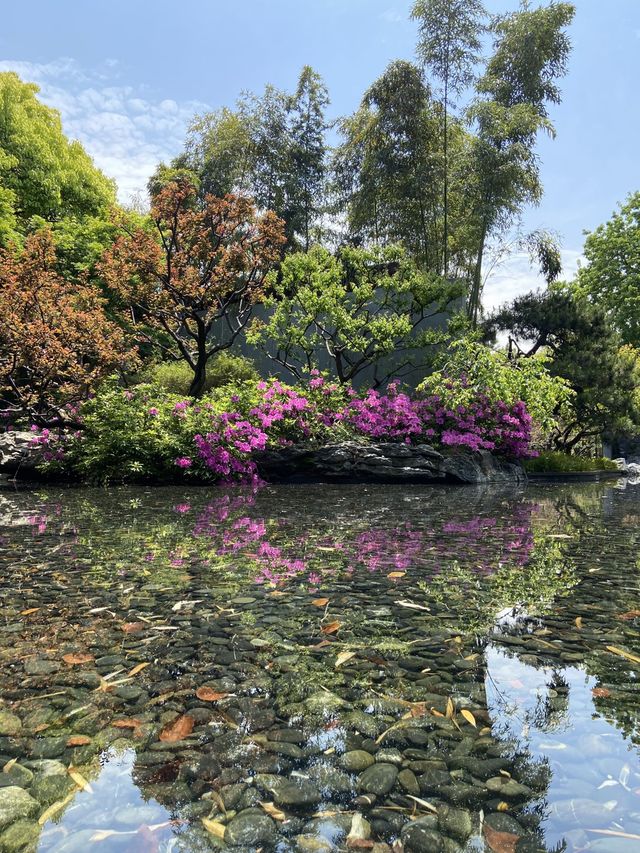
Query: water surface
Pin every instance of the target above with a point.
(187, 669)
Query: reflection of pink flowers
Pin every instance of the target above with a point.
(182, 508)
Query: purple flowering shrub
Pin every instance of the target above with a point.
(147, 433)
(479, 425)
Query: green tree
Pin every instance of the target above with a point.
(449, 47)
(358, 307)
(388, 169)
(585, 351)
(531, 51)
(270, 148)
(308, 127)
(611, 278)
(42, 173)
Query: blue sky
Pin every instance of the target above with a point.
(127, 75)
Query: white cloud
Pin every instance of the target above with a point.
(126, 130)
(517, 276)
(393, 16)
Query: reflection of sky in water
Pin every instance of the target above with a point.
(140, 826)
(595, 771)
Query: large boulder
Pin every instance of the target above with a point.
(384, 462)
(18, 454)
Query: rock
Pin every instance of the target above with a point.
(383, 462)
(18, 454)
(378, 779)
(421, 835)
(16, 804)
(508, 788)
(330, 780)
(251, 828)
(356, 761)
(502, 822)
(390, 756)
(324, 703)
(297, 793)
(40, 666)
(18, 775)
(455, 822)
(21, 837)
(360, 829)
(10, 724)
(313, 844)
(408, 781)
(49, 789)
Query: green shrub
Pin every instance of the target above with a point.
(223, 369)
(552, 462)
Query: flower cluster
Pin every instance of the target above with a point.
(479, 425)
(227, 450)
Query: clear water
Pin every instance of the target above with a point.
(170, 658)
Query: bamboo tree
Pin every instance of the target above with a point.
(449, 46)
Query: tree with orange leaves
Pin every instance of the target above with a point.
(56, 342)
(192, 284)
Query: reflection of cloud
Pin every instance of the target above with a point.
(125, 130)
(517, 276)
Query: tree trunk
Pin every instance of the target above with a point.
(446, 180)
(476, 286)
(200, 370)
(199, 380)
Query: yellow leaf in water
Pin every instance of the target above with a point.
(343, 657)
(425, 805)
(272, 810)
(138, 668)
(616, 651)
(320, 602)
(436, 713)
(213, 827)
(394, 575)
(469, 717)
(178, 729)
(9, 765)
(103, 834)
(54, 808)
(78, 740)
(450, 709)
(208, 694)
(79, 779)
(503, 807)
(75, 658)
(578, 622)
(505, 773)
(331, 628)
(29, 611)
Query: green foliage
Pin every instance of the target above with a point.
(611, 278)
(552, 462)
(357, 307)
(531, 50)
(124, 439)
(271, 147)
(547, 575)
(388, 169)
(586, 352)
(49, 175)
(175, 377)
(478, 369)
(449, 47)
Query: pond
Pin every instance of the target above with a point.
(316, 668)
